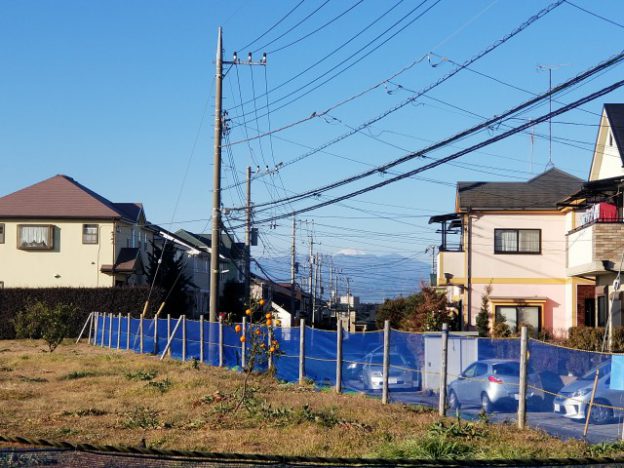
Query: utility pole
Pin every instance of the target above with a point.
(293, 268)
(316, 265)
(216, 186)
(248, 242)
(311, 265)
(348, 304)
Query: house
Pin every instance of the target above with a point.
(595, 244)
(511, 236)
(60, 233)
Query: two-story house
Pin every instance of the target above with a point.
(511, 236)
(60, 233)
(595, 244)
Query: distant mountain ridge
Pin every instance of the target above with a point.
(372, 277)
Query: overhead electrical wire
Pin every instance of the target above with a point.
(458, 136)
(433, 85)
(458, 154)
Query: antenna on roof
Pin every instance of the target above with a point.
(550, 164)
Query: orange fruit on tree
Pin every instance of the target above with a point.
(261, 302)
(258, 332)
(272, 349)
(269, 322)
(268, 316)
(243, 339)
(248, 312)
(237, 328)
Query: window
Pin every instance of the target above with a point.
(516, 316)
(1, 233)
(517, 241)
(35, 237)
(89, 233)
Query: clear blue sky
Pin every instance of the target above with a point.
(119, 95)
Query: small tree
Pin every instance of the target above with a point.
(39, 321)
(500, 328)
(430, 313)
(483, 317)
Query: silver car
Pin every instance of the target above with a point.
(400, 375)
(492, 383)
(572, 400)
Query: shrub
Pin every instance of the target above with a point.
(483, 317)
(38, 320)
(86, 300)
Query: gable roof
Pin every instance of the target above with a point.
(615, 114)
(62, 197)
(539, 193)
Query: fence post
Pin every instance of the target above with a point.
(93, 339)
(386, 362)
(118, 330)
(110, 331)
(128, 330)
(339, 357)
(523, 378)
(141, 333)
(244, 344)
(220, 341)
(169, 331)
(269, 345)
(201, 339)
(443, 370)
(184, 338)
(167, 349)
(103, 329)
(301, 351)
(156, 334)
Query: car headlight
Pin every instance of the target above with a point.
(581, 392)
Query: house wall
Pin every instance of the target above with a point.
(606, 161)
(524, 275)
(76, 264)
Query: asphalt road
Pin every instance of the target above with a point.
(547, 421)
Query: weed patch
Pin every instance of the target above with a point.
(85, 412)
(429, 448)
(143, 418)
(142, 375)
(78, 375)
(161, 386)
(25, 378)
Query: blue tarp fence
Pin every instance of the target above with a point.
(482, 373)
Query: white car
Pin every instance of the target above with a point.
(400, 376)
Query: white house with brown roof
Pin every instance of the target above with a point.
(60, 233)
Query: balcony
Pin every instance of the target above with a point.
(595, 248)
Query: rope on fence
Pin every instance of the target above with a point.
(198, 455)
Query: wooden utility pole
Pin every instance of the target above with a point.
(293, 268)
(216, 186)
(248, 242)
(314, 290)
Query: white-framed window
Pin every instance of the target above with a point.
(517, 241)
(89, 233)
(1, 233)
(35, 236)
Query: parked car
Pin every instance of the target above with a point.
(492, 383)
(400, 376)
(573, 399)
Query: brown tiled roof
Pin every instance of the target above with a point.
(62, 197)
(126, 261)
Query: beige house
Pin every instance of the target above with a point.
(511, 236)
(595, 246)
(60, 233)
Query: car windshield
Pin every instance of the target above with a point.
(507, 368)
(395, 359)
(604, 369)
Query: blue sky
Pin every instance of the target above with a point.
(119, 95)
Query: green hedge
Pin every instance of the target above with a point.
(590, 339)
(117, 300)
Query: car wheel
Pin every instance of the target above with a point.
(600, 414)
(486, 404)
(453, 402)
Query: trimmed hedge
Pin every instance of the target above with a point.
(590, 339)
(117, 300)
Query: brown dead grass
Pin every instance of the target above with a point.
(87, 394)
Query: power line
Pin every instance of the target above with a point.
(458, 136)
(428, 88)
(458, 154)
(596, 15)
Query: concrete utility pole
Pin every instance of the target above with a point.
(248, 242)
(314, 290)
(348, 304)
(216, 185)
(311, 265)
(293, 268)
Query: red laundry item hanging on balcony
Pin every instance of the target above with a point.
(606, 212)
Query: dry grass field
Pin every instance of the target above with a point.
(81, 393)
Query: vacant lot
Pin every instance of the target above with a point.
(86, 394)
